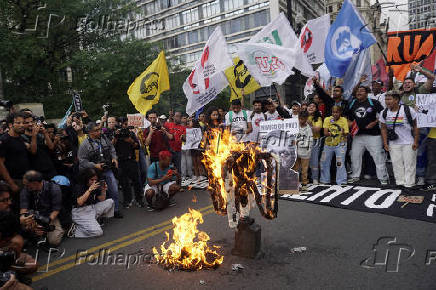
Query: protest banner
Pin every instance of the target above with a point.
(135, 120)
(278, 137)
(426, 110)
(193, 138)
(406, 47)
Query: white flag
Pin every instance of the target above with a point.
(280, 32)
(207, 78)
(359, 65)
(323, 74)
(266, 62)
(312, 38)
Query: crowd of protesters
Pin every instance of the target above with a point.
(68, 181)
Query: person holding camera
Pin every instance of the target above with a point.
(90, 205)
(125, 145)
(163, 183)
(40, 204)
(401, 138)
(38, 140)
(156, 137)
(364, 112)
(11, 244)
(98, 152)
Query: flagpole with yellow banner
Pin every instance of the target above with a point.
(240, 80)
(145, 91)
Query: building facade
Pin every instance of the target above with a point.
(422, 14)
(184, 26)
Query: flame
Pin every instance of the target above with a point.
(224, 156)
(189, 251)
(219, 153)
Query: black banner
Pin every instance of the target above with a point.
(77, 101)
(409, 204)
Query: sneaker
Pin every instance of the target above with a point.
(172, 202)
(150, 209)
(367, 177)
(421, 181)
(430, 187)
(384, 182)
(118, 215)
(71, 230)
(315, 182)
(128, 204)
(303, 188)
(140, 203)
(202, 178)
(353, 180)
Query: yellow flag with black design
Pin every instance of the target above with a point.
(240, 80)
(146, 89)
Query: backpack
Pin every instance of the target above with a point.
(371, 103)
(264, 116)
(231, 116)
(408, 116)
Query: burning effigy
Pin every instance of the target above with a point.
(233, 184)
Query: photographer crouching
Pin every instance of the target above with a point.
(97, 152)
(40, 204)
(10, 248)
(126, 143)
(90, 206)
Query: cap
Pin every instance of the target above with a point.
(296, 103)
(162, 117)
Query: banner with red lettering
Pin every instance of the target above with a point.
(406, 47)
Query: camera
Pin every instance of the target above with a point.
(6, 103)
(42, 221)
(7, 259)
(106, 107)
(392, 136)
(122, 133)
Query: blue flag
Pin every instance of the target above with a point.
(347, 36)
(359, 65)
(63, 123)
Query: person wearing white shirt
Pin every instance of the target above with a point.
(238, 121)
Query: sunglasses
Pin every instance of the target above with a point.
(6, 199)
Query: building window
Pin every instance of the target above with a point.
(172, 21)
(339, 5)
(181, 38)
(358, 3)
(211, 8)
(232, 4)
(190, 15)
(330, 9)
(193, 37)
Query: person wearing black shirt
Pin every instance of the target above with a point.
(90, 204)
(125, 146)
(362, 115)
(14, 159)
(41, 146)
(330, 102)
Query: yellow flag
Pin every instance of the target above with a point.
(146, 89)
(241, 82)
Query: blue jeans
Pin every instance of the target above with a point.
(314, 159)
(326, 158)
(112, 187)
(421, 161)
(142, 167)
(177, 160)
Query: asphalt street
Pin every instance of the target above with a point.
(337, 242)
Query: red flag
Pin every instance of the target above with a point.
(379, 72)
(429, 62)
(354, 128)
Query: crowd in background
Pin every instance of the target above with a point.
(69, 181)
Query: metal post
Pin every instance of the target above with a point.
(2, 96)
